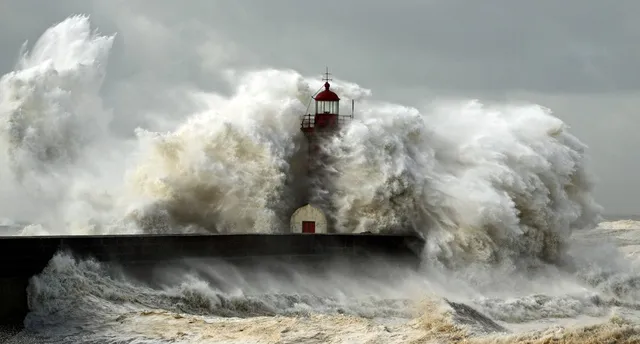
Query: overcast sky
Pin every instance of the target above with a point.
(581, 58)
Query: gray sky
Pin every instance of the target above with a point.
(581, 58)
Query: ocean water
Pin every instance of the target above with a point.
(211, 302)
(517, 249)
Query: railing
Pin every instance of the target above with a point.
(344, 119)
(308, 120)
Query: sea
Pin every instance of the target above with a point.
(518, 248)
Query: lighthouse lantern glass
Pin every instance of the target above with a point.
(327, 107)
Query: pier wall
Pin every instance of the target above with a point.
(22, 257)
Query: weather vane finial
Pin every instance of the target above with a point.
(326, 76)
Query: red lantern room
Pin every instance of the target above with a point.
(327, 110)
(323, 124)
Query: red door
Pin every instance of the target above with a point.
(308, 227)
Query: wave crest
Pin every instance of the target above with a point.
(487, 184)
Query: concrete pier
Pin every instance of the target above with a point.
(22, 257)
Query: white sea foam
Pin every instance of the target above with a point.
(620, 224)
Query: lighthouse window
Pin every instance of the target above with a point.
(327, 107)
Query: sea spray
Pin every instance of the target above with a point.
(54, 136)
(226, 169)
(483, 183)
(50, 106)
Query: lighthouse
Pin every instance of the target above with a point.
(319, 127)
